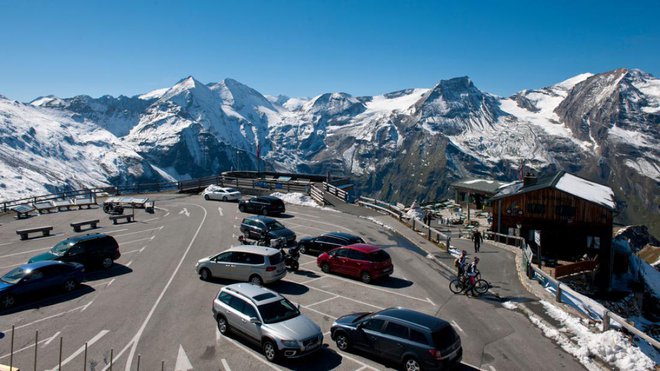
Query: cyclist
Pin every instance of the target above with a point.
(460, 263)
(472, 272)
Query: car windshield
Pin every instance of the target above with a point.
(14, 275)
(275, 226)
(61, 248)
(278, 311)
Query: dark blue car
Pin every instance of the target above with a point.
(39, 277)
(413, 339)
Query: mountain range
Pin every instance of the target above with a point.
(400, 146)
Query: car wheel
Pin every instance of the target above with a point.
(270, 350)
(241, 208)
(205, 274)
(325, 267)
(411, 364)
(70, 285)
(206, 197)
(295, 266)
(365, 277)
(7, 301)
(256, 280)
(223, 325)
(224, 198)
(106, 262)
(302, 249)
(264, 211)
(342, 341)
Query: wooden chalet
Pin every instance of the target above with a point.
(562, 217)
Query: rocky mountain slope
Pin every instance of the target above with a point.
(398, 146)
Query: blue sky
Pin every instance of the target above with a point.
(305, 48)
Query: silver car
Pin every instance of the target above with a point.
(214, 192)
(268, 319)
(255, 264)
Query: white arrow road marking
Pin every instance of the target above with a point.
(182, 361)
(50, 339)
(184, 211)
(220, 211)
(457, 326)
(82, 348)
(225, 365)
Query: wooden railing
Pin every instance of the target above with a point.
(317, 195)
(336, 191)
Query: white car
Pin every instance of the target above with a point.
(214, 192)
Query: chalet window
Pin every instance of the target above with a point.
(535, 208)
(565, 210)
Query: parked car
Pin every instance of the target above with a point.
(39, 277)
(257, 227)
(268, 319)
(265, 205)
(214, 192)
(94, 249)
(327, 242)
(367, 262)
(255, 264)
(416, 340)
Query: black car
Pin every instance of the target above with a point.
(264, 205)
(327, 242)
(257, 227)
(410, 338)
(90, 250)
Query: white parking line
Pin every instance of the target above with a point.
(141, 239)
(457, 326)
(372, 287)
(307, 263)
(225, 365)
(44, 319)
(322, 301)
(25, 252)
(251, 352)
(136, 232)
(326, 223)
(345, 297)
(311, 280)
(82, 348)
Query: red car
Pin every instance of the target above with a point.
(367, 262)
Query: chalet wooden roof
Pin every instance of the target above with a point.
(565, 182)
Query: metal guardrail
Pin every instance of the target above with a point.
(607, 316)
(336, 191)
(317, 195)
(181, 186)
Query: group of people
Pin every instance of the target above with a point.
(468, 271)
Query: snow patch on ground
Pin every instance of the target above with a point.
(510, 305)
(301, 199)
(610, 345)
(379, 223)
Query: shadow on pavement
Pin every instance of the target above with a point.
(36, 301)
(114, 271)
(393, 283)
(289, 288)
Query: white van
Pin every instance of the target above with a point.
(254, 264)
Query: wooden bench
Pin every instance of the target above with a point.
(62, 205)
(23, 211)
(129, 218)
(24, 232)
(44, 207)
(76, 225)
(80, 202)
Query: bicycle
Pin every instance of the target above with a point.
(460, 285)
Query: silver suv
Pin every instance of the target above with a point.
(268, 319)
(255, 264)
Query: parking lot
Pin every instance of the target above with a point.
(151, 309)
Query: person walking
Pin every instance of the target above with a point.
(460, 263)
(478, 238)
